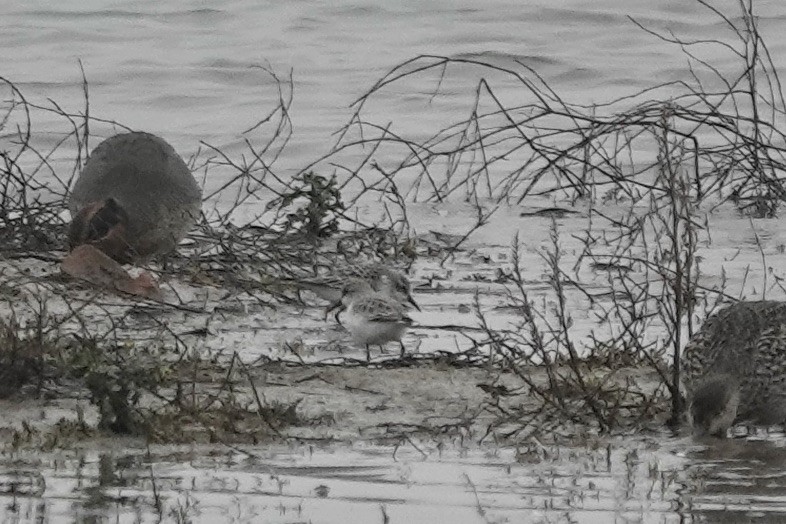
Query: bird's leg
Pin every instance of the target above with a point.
(412, 301)
(164, 261)
(402, 348)
(368, 353)
(338, 307)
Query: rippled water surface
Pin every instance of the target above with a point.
(643, 479)
(193, 72)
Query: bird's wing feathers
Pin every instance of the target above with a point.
(381, 309)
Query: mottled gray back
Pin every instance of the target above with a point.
(746, 341)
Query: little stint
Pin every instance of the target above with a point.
(372, 317)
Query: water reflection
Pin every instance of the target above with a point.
(740, 479)
(635, 479)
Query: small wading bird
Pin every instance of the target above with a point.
(330, 286)
(735, 368)
(134, 199)
(371, 317)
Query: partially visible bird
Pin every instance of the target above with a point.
(372, 317)
(734, 368)
(330, 285)
(134, 199)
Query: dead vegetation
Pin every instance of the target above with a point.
(713, 138)
(648, 169)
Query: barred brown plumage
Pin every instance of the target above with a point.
(734, 368)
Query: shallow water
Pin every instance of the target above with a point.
(192, 74)
(653, 479)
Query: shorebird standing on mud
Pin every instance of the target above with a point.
(735, 368)
(372, 317)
